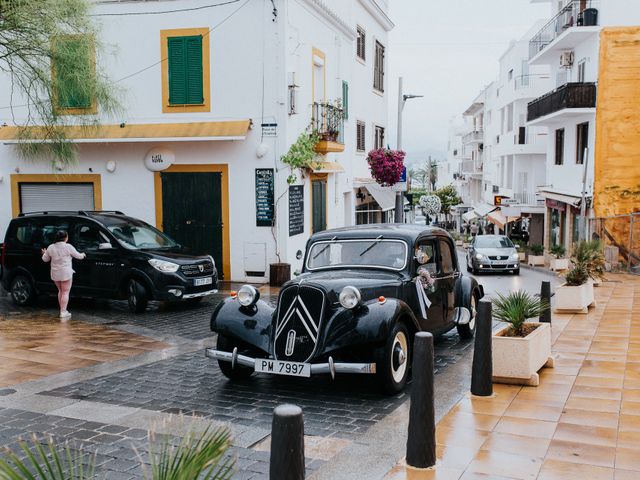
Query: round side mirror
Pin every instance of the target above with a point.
(299, 254)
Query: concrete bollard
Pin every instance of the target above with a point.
(287, 444)
(482, 369)
(421, 439)
(545, 294)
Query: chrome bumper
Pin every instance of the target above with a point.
(330, 367)
(200, 294)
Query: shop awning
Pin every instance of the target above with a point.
(497, 218)
(470, 215)
(561, 197)
(484, 209)
(385, 196)
(142, 132)
(328, 167)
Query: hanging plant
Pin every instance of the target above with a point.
(386, 165)
(301, 154)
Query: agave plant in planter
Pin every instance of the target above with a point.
(576, 294)
(536, 255)
(521, 348)
(558, 262)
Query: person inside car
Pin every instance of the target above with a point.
(60, 254)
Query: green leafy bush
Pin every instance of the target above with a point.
(557, 251)
(516, 307)
(301, 154)
(577, 276)
(537, 250)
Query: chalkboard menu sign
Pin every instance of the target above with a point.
(264, 197)
(296, 209)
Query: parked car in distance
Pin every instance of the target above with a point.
(363, 293)
(126, 259)
(493, 253)
(420, 220)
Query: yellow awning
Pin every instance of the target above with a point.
(328, 167)
(142, 132)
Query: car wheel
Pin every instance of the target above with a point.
(467, 331)
(137, 296)
(516, 271)
(392, 368)
(240, 372)
(468, 267)
(22, 291)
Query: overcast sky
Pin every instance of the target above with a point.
(447, 50)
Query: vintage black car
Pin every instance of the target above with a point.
(362, 295)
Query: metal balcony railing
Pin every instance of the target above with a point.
(327, 121)
(528, 199)
(474, 136)
(570, 95)
(576, 13)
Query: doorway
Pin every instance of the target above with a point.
(192, 208)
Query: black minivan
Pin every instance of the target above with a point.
(126, 259)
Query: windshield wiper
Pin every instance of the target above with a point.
(377, 241)
(324, 248)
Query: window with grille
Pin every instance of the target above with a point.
(360, 131)
(379, 137)
(378, 68)
(361, 44)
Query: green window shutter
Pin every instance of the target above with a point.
(194, 70)
(185, 70)
(345, 99)
(74, 73)
(177, 69)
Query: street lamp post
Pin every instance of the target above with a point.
(402, 99)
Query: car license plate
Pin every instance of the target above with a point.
(278, 367)
(202, 281)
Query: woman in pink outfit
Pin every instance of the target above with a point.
(60, 255)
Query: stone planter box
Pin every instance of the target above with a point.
(458, 243)
(557, 264)
(522, 256)
(535, 260)
(575, 299)
(516, 360)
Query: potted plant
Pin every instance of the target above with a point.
(558, 262)
(521, 252)
(456, 237)
(536, 257)
(592, 255)
(386, 165)
(576, 294)
(467, 242)
(521, 348)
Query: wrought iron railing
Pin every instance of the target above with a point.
(327, 121)
(574, 14)
(570, 95)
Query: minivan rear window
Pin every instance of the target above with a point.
(35, 234)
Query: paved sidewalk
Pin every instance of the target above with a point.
(583, 421)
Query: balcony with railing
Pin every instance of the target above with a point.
(528, 199)
(568, 96)
(475, 136)
(577, 13)
(327, 121)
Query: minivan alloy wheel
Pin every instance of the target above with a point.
(21, 290)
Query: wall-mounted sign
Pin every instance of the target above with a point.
(269, 129)
(264, 197)
(296, 210)
(158, 159)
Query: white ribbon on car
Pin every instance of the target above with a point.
(423, 299)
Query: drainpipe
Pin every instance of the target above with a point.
(583, 203)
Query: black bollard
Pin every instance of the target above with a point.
(421, 440)
(545, 294)
(287, 444)
(482, 369)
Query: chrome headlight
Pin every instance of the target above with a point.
(515, 256)
(350, 297)
(213, 262)
(479, 256)
(248, 296)
(163, 266)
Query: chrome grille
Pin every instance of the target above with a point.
(300, 310)
(197, 269)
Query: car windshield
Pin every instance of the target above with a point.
(368, 253)
(492, 242)
(140, 236)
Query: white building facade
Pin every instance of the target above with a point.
(205, 167)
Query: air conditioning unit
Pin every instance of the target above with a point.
(566, 59)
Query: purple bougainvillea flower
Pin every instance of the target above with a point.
(386, 165)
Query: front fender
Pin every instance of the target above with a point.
(369, 324)
(464, 289)
(248, 325)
